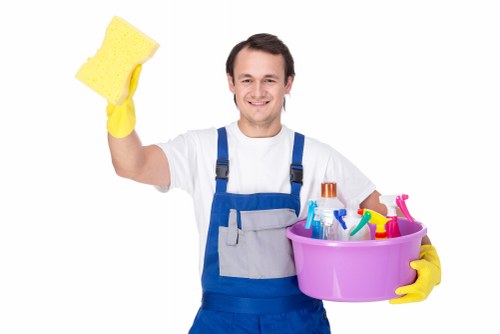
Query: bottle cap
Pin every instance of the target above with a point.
(328, 189)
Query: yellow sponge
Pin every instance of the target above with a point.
(109, 71)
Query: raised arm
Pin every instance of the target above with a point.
(145, 164)
(114, 73)
(132, 160)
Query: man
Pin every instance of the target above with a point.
(249, 181)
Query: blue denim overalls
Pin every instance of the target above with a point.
(249, 281)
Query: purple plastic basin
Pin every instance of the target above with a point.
(355, 271)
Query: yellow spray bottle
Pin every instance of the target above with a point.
(379, 221)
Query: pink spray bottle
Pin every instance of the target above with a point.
(392, 202)
(392, 226)
(400, 201)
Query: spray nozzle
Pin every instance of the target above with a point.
(400, 201)
(379, 221)
(364, 219)
(338, 215)
(392, 226)
(390, 202)
(310, 213)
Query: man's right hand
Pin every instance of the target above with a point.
(121, 118)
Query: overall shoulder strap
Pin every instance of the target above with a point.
(222, 166)
(296, 170)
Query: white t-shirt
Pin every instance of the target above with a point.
(257, 165)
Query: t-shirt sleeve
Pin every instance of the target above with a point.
(352, 183)
(187, 154)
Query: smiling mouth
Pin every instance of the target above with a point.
(258, 103)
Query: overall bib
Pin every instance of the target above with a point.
(249, 281)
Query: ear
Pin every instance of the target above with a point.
(230, 82)
(289, 83)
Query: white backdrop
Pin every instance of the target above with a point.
(407, 90)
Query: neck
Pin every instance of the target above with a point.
(259, 130)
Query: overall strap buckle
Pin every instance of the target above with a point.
(296, 173)
(222, 165)
(222, 169)
(296, 168)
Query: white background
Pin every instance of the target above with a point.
(407, 90)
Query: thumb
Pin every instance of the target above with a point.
(401, 300)
(403, 290)
(134, 80)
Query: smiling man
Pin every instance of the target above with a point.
(259, 84)
(250, 180)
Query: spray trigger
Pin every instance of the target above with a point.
(400, 201)
(379, 221)
(338, 215)
(366, 217)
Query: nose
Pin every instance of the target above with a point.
(258, 90)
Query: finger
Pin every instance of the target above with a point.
(137, 71)
(417, 264)
(403, 300)
(134, 80)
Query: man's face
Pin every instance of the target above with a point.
(259, 87)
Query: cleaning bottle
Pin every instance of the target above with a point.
(400, 201)
(379, 221)
(335, 228)
(327, 220)
(352, 220)
(317, 227)
(329, 197)
(310, 212)
(392, 226)
(364, 220)
(327, 204)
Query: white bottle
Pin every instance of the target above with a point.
(327, 204)
(352, 220)
(327, 224)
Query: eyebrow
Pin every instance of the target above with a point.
(246, 75)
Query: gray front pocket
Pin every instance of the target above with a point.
(258, 246)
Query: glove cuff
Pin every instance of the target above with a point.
(429, 253)
(121, 119)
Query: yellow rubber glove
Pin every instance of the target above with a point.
(428, 269)
(121, 119)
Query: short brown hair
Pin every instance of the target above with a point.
(263, 42)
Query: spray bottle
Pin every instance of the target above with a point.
(314, 220)
(327, 220)
(392, 226)
(312, 204)
(364, 220)
(352, 220)
(317, 227)
(400, 201)
(329, 197)
(327, 205)
(379, 221)
(338, 228)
